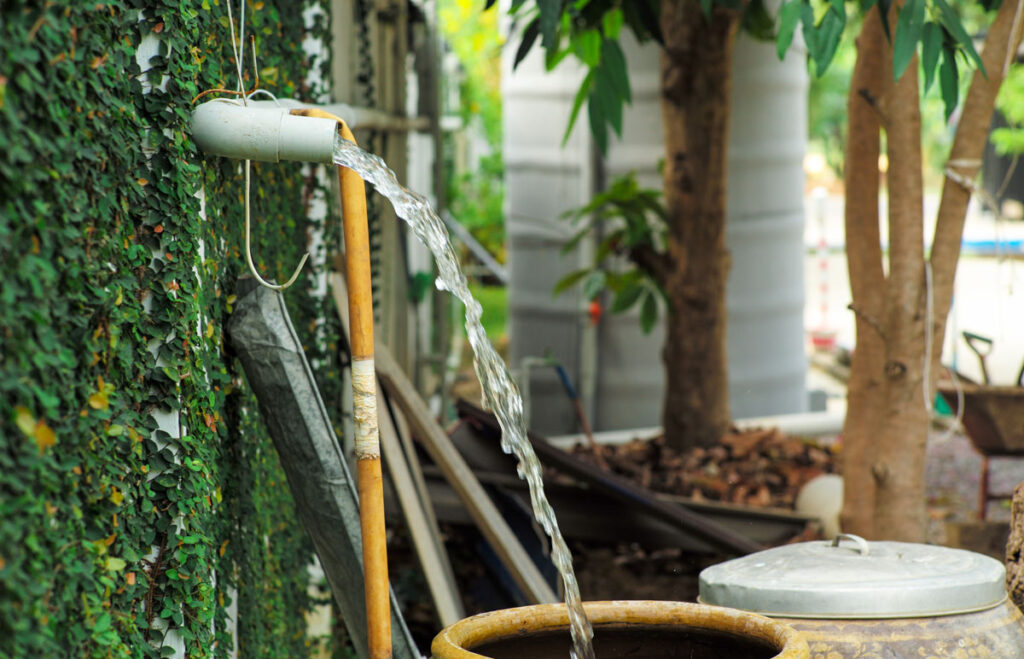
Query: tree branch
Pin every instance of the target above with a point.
(656, 264)
(863, 241)
(1001, 43)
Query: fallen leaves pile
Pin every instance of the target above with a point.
(761, 467)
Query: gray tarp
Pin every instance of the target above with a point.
(325, 495)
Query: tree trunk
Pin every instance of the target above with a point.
(900, 430)
(1001, 42)
(892, 377)
(696, 69)
(864, 260)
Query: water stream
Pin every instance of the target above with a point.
(500, 392)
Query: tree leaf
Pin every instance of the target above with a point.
(614, 62)
(627, 297)
(908, 32)
(757, 21)
(832, 26)
(949, 20)
(648, 312)
(949, 81)
(550, 17)
(705, 6)
(611, 104)
(570, 280)
(594, 284)
(489, 4)
(811, 35)
(611, 23)
(788, 18)
(642, 18)
(529, 37)
(931, 46)
(581, 95)
(587, 47)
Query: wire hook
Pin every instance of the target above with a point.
(248, 246)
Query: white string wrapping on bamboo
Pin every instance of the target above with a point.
(364, 391)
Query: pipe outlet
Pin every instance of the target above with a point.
(263, 131)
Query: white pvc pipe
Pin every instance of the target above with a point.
(263, 131)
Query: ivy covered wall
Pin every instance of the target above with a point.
(142, 508)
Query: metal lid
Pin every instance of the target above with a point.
(856, 579)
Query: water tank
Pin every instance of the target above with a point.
(767, 363)
(765, 230)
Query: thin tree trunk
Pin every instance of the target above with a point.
(887, 418)
(1001, 43)
(864, 261)
(901, 423)
(696, 68)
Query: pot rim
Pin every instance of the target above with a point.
(453, 641)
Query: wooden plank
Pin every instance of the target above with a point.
(623, 489)
(426, 536)
(578, 507)
(461, 477)
(433, 438)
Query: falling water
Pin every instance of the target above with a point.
(500, 392)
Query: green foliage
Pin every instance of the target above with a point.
(931, 26)
(475, 199)
(589, 30)
(124, 526)
(632, 220)
(475, 195)
(1010, 140)
(494, 300)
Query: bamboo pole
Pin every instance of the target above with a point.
(369, 480)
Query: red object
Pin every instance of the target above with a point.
(594, 310)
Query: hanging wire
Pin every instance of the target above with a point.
(248, 249)
(239, 52)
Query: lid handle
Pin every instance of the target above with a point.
(862, 544)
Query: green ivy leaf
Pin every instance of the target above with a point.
(114, 564)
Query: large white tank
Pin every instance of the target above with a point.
(767, 363)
